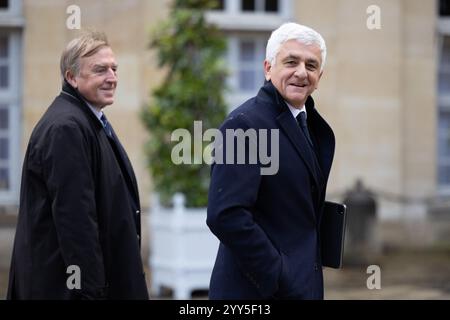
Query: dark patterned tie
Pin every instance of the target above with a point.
(106, 125)
(301, 119)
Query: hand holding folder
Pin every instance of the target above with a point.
(332, 234)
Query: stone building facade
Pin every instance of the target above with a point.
(379, 90)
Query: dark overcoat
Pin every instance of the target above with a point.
(268, 225)
(79, 210)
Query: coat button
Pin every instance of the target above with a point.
(137, 211)
(316, 267)
(138, 237)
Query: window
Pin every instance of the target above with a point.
(444, 113)
(11, 13)
(4, 118)
(443, 130)
(11, 24)
(249, 5)
(251, 15)
(4, 68)
(259, 5)
(4, 149)
(444, 147)
(271, 6)
(444, 8)
(249, 65)
(246, 53)
(9, 115)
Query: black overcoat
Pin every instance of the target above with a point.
(79, 206)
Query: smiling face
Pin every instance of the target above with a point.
(97, 79)
(296, 72)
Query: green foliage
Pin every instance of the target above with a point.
(191, 52)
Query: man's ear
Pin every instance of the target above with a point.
(267, 69)
(71, 79)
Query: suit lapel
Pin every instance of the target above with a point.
(290, 127)
(323, 134)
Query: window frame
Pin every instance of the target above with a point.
(235, 97)
(233, 18)
(443, 104)
(11, 97)
(12, 17)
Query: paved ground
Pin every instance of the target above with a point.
(409, 274)
(405, 275)
(423, 274)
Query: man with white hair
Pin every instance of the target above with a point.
(269, 225)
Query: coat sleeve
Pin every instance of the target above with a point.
(67, 161)
(232, 196)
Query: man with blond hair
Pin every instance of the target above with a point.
(269, 225)
(78, 231)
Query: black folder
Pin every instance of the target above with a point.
(332, 234)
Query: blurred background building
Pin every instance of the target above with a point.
(385, 91)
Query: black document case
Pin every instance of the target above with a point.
(332, 233)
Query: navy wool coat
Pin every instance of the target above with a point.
(268, 225)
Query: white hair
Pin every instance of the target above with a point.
(289, 31)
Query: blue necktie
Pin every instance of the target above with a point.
(106, 126)
(301, 119)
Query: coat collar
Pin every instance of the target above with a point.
(70, 93)
(270, 94)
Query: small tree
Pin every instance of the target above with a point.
(191, 52)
